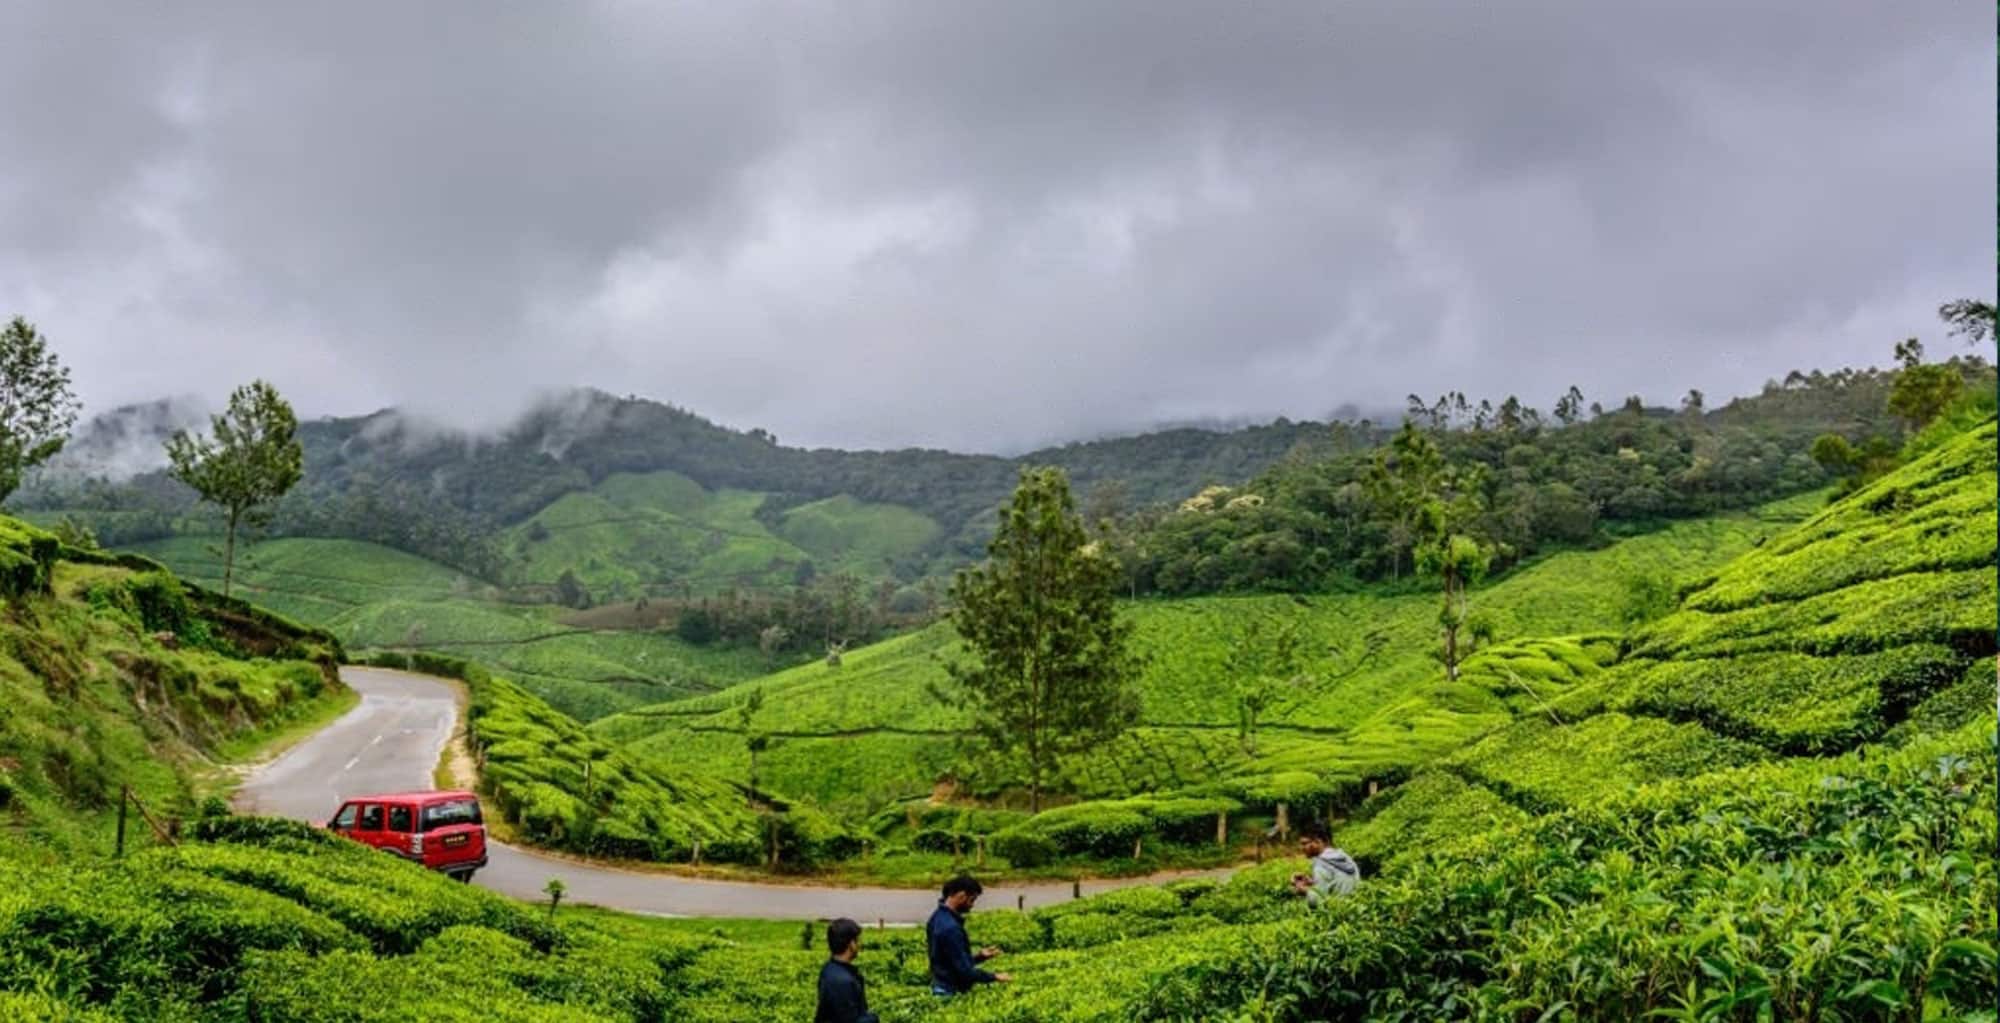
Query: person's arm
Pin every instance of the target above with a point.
(962, 963)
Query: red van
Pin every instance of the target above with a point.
(440, 830)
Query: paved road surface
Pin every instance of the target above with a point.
(391, 742)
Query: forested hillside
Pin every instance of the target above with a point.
(630, 498)
(390, 479)
(1530, 485)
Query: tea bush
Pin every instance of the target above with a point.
(568, 790)
(1932, 515)
(1795, 703)
(1851, 889)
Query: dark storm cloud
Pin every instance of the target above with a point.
(986, 225)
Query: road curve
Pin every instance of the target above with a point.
(390, 742)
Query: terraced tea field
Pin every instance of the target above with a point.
(661, 532)
(867, 731)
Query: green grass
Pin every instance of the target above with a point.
(94, 703)
(290, 726)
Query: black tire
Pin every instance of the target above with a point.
(463, 876)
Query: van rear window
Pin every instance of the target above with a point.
(457, 811)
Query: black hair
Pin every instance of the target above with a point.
(840, 934)
(962, 883)
(1314, 830)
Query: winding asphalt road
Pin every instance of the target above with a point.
(390, 742)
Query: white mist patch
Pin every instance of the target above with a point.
(125, 441)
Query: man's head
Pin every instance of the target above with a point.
(961, 892)
(843, 938)
(1313, 839)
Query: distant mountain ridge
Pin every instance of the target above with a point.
(451, 495)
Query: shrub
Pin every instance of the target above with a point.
(163, 606)
(1795, 703)
(937, 840)
(1098, 829)
(1189, 821)
(1023, 847)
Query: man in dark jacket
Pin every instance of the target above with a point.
(843, 995)
(954, 966)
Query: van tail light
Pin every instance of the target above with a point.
(416, 845)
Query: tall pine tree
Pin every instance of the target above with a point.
(1054, 671)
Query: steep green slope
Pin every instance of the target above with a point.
(1873, 619)
(113, 675)
(872, 722)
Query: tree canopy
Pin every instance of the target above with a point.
(1053, 669)
(37, 407)
(250, 458)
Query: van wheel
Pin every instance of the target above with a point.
(463, 876)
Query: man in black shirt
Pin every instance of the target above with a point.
(954, 966)
(843, 995)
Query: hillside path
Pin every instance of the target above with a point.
(390, 742)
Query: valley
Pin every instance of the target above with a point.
(1732, 719)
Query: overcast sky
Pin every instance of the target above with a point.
(981, 225)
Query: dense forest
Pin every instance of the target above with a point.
(1582, 476)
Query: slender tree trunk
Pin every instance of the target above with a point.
(1451, 652)
(1454, 607)
(229, 552)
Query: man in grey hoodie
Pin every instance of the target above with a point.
(1333, 871)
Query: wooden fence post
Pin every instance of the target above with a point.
(1284, 824)
(1222, 828)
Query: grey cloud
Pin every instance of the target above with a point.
(987, 225)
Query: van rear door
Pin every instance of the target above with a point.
(454, 832)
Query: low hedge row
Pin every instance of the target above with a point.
(1110, 829)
